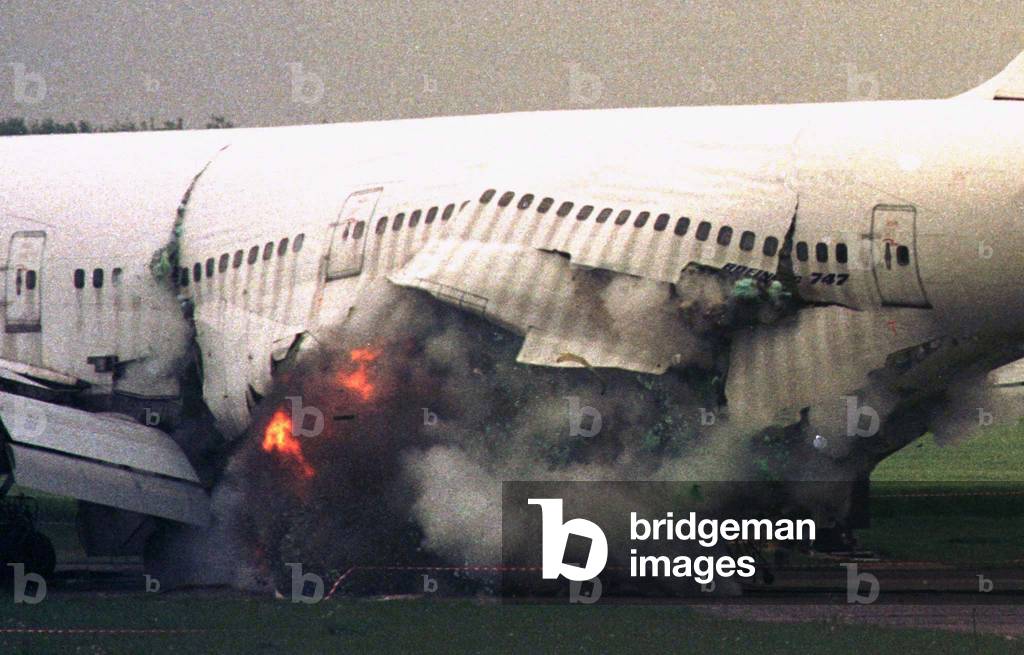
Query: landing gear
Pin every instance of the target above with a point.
(20, 542)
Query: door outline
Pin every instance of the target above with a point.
(899, 285)
(23, 289)
(345, 256)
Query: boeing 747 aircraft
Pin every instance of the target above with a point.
(150, 277)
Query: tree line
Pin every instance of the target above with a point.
(17, 126)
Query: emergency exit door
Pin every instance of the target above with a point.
(23, 288)
(350, 234)
(894, 256)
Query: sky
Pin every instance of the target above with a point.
(284, 62)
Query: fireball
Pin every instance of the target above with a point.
(278, 437)
(358, 381)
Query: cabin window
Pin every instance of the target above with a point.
(197, 272)
(682, 225)
(902, 255)
(821, 252)
(564, 209)
(183, 276)
(282, 247)
(30, 280)
(97, 278)
(641, 219)
(300, 239)
(585, 212)
(604, 215)
(223, 264)
(545, 205)
(703, 231)
(842, 255)
(770, 247)
(357, 233)
(414, 218)
(382, 225)
(801, 251)
(488, 194)
(448, 211)
(115, 276)
(505, 199)
(254, 254)
(724, 235)
(237, 261)
(399, 219)
(79, 278)
(431, 215)
(268, 250)
(623, 217)
(209, 267)
(747, 240)
(661, 222)
(525, 201)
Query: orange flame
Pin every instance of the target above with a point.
(278, 436)
(358, 380)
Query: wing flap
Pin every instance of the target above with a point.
(101, 459)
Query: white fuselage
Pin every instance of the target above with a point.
(927, 198)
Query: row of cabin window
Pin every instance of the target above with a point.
(226, 260)
(414, 220)
(842, 254)
(78, 278)
(769, 247)
(747, 241)
(359, 228)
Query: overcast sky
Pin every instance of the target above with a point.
(285, 62)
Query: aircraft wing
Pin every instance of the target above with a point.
(101, 459)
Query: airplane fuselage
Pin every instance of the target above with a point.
(278, 231)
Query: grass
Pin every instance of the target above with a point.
(993, 455)
(265, 626)
(959, 503)
(959, 528)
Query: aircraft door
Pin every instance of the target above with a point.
(23, 288)
(894, 256)
(349, 234)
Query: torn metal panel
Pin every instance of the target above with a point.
(104, 484)
(815, 357)
(1010, 375)
(102, 459)
(608, 319)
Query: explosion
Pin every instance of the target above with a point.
(278, 437)
(358, 381)
(417, 481)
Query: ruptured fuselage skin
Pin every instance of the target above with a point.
(277, 232)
